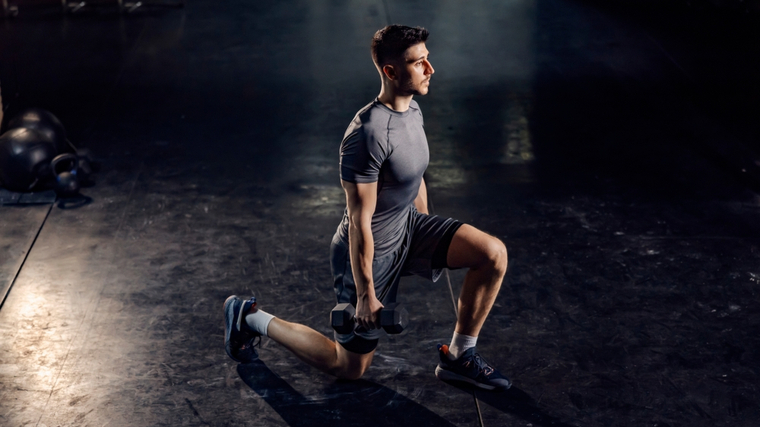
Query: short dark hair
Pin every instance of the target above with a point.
(390, 43)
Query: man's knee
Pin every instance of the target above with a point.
(496, 254)
(350, 372)
(349, 365)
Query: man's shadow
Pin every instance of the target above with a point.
(363, 402)
(514, 402)
(351, 403)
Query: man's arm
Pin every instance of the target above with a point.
(361, 200)
(421, 202)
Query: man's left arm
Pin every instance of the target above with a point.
(421, 202)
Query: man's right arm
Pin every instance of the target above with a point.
(361, 200)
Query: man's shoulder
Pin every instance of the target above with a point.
(371, 116)
(371, 111)
(367, 123)
(364, 110)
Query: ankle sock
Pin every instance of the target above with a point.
(459, 344)
(258, 320)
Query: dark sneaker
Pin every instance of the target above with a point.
(470, 368)
(239, 339)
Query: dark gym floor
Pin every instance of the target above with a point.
(613, 149)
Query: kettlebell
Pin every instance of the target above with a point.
(65, 168)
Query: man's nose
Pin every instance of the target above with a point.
(430, 69)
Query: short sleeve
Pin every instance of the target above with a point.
(361, 157)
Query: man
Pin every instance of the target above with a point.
(386, 232)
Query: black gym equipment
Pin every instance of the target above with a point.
(393, 318)
(45, 122)
(65, 167)
(25, 158)
(35, 154)
(86, 166)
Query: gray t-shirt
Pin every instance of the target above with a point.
(388, 147)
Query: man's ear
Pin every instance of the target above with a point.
(389, 72)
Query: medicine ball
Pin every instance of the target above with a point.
(45, 122)
(25, 156)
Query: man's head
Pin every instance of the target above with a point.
(390, 43)
(401, 57)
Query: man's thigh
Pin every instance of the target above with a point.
(430, 238)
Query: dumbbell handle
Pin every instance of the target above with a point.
(393, 317)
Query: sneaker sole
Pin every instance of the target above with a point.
(229, 323)
(446, 375)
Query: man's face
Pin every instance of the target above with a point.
(415, 71)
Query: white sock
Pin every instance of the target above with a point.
(258, 320)
(460, 344)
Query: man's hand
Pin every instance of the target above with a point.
(368, 311)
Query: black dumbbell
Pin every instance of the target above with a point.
(393, 318)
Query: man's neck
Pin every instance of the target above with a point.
(394, 101)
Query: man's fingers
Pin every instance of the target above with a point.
(365, 323)
(369, 323)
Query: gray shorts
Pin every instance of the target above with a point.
(422, 252)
